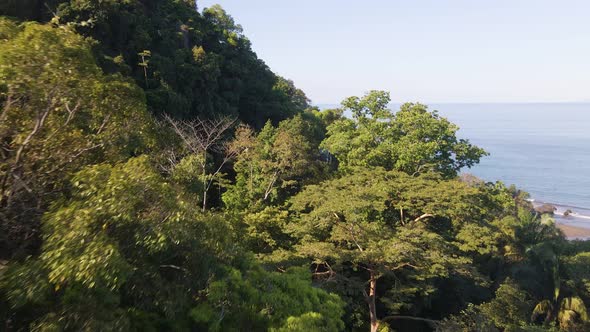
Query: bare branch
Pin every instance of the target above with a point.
(271, 184)
(418, 170)
(7, 105)
(23, 183)
(202, 137)
(170, 266)
(71, 113)
(424, 216)
(171, 161)
(330, 273)
(351, 231)
(41, 117)
(104, 124)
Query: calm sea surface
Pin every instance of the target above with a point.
(541, 148)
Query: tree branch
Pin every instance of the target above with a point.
(424, 216)
(432, 322)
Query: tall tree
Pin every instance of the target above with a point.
(412, 140)
(128, 251)
(202, 138)
(368, 227)
(58, 113)
(273, 163)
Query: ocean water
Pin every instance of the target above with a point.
(543, 149)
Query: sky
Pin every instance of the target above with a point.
(431, 51)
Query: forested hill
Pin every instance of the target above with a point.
(155, 175)
(189, 64)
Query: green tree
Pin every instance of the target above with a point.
(125, 242)
(273, 163)
(129, 251)
(226, 79)
(562, 306)
(58, 113)
(412, 140)
(295, 99)
(510, 308)
(259, 300)
(367, 227)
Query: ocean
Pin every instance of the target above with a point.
(542, 148)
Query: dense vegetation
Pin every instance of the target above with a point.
(156, 175)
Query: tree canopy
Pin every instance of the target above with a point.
(411, 140)
(156, 175)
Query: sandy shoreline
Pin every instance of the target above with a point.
(573, 232)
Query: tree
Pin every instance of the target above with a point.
(27, 9)
(125, 243)
(412, 140)
(510, 308)
(229, 80)
(295, 100)
(203, 138)
(272, 163)
(254, 299)
(58, 113)
(128, 250)
(569, 311)
(356, 234)
(145, 55)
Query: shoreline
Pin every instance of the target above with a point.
(573, 221)
(574, 232)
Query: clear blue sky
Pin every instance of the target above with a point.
(424, 50)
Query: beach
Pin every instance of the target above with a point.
(573, 221)
(574, 232)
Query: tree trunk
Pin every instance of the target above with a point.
(204, 200)
(205, 187)
(371, 303)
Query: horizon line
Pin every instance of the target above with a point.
(469, 102)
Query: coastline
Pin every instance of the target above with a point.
(574, 232)
(573, 221)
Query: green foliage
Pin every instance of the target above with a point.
(368, 226)
(125, 232)
(412, 140)
(187, 173)
(470, 319)
(510, 308)
(572, 310)
(255, 299)
(59, 113)
(274, 163)
(312, 321)
(329, 223)
(200, 65)
(265, 230)
(577, 267)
